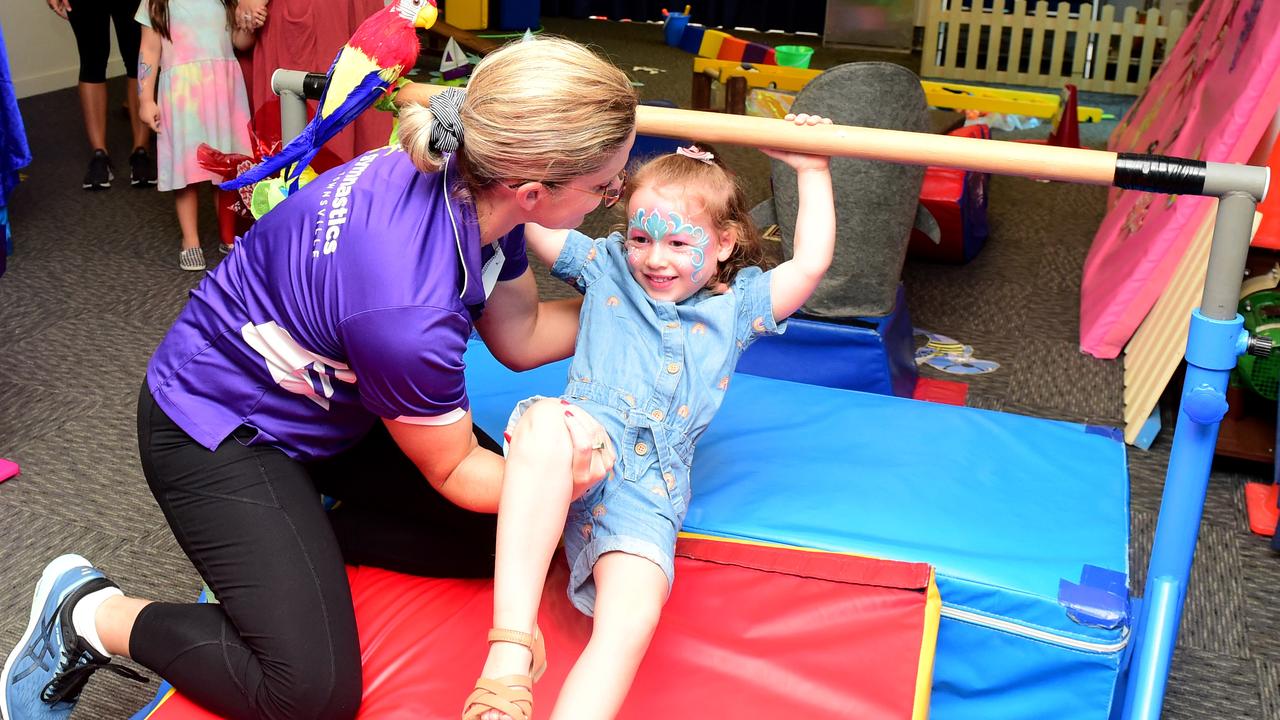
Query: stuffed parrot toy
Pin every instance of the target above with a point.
(382, 49)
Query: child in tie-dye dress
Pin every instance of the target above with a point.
(192, 91)
(670, 306)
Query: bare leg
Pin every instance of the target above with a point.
(93, 104)
(141, 133)
(114, 622)
(186, 200)
(536, 490)
(630, 592)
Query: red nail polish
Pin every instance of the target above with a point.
(506, 436)
(564, 402)
(568, 414)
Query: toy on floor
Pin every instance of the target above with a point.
(1262, 500)
(708, 43)
(943, 353)
(8, 469)
(951, 223)
(380, 51)
(454, 64)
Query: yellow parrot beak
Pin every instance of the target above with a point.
(426, 16)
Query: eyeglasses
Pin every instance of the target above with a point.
(609, 196)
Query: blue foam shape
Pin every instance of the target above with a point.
(691, 39)
(875, 355)
(1149, 431)
(1003, 506)
(992, 500)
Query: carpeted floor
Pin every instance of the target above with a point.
(94, 284)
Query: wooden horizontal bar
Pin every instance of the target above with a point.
(1044, 162)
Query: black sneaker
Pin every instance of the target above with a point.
(99, 176)
(142, 169)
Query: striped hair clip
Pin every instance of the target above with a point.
(693, 152)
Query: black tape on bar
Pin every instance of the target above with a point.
(313, 85)
(1157, 173)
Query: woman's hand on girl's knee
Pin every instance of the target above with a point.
(593, 453)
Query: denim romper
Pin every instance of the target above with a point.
(653, 373)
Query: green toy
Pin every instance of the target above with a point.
(1261, 312)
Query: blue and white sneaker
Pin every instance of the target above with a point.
(44, 674)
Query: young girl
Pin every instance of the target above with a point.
(669, 308)
(198, 96)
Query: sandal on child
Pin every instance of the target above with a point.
(512, 694)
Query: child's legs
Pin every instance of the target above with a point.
(537, 487)
(186, 200)
(630, 593)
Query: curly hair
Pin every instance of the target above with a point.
(719, 194)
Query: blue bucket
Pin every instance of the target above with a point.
(674, 27)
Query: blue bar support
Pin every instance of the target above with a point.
(1217, 337)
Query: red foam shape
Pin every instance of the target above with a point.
(8, 469)
(1260, 500)
(749, 631)
(1268, 235)
(946, 392)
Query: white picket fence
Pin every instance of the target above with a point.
(1047, 48)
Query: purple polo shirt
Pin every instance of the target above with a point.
(350, 301)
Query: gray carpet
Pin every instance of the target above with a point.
(94, 284)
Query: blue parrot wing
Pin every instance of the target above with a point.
(301, 149)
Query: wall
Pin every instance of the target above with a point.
(42, 50)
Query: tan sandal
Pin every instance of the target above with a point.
(511, 694)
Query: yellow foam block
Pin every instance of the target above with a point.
(778, 77)
(467, 14)
(711, 40)
(938, 94)
(1010, 102)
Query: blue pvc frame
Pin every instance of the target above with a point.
(1212, 349)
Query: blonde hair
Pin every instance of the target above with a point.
(719, 194)
(546, 110)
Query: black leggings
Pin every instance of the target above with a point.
(282, 641)
(91, 22)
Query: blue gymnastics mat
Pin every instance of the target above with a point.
(1026, 521)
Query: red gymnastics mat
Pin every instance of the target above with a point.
(749, 631)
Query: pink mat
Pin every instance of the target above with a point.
(1211, 100)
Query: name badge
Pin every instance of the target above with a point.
(489, 273)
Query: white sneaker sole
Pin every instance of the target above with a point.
(51, 573)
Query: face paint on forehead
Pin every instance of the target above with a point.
(656, 227)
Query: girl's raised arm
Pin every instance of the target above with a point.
(795, 280)
(544, 242)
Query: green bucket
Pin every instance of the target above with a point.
(797, 56)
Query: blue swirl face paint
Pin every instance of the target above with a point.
(652, 223)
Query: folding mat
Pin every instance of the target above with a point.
(1025, 520)
(749, 631)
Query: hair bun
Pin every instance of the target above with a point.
(446, 120)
